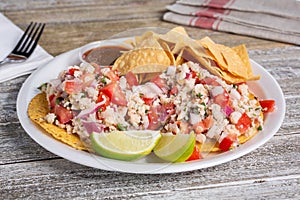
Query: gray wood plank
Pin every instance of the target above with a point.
(251, 189)
(29, 171)
(63, 179)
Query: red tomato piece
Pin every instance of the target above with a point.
(102, 97)
(222, 99)
(113, 75)
(73, 87)
(226, 144)
(194, 74)
(203, 125)
(87, 79)
(161, 83)
(267, 105)
(153, 119)
(131, 79)
(174, 90)
(73, 70)
(63, 114)
(209, 81)
(148, 101)
(195, 155)
(243, 123)
(165, 111)
(115, 93)
(168, 106)
(52, 99)
(183, 127)
(196, 77)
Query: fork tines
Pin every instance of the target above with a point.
(29, 39)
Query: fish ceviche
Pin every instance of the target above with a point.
(182, 99)
(168, 94)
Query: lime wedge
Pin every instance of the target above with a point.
(125, 145)
(175, 148)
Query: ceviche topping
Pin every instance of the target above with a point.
(182, 99)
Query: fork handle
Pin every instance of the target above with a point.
(13, 59)
(6, 60)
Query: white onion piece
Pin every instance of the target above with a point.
(171, 70)
(149, 90)
(194, 118)
(91, 126)
(87, 112)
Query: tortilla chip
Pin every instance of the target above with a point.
(181, 30)
(215, 52)
(167, 49)
(226, 58)
(130, 60)
(37, 109)
(147, 41)
(241, 51)
(178, 42)
(233, 62)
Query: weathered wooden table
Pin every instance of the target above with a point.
(29, 171)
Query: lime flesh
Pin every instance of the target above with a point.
(125, 145)
(175, 148)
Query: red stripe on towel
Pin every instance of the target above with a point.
(204, 22)
(219, 3)
(210, 12)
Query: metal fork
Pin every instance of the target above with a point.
(26, 44)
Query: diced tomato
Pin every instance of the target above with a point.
(226, 143)
(87, 79)
(196, 77)
(73, 70)
(195, 155)
(168, 106)
(203, 125)
(63, 114)
(112, 75)
(222, 99)
(165, 111)
(115, 93)
(209, 81)
(148, 101)
(174, 90)
(194, 74)
(153, 119)
(131, 79)
(73, 87)
(243, 123)
(102, 97)
(267, 105)
(161, 83)
(208, 122)
(52, 99)
(183, 127)
(109, 89)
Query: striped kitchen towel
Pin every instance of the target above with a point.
(276, 20)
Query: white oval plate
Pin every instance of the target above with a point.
(265, 88)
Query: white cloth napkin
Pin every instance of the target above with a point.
(9, 36)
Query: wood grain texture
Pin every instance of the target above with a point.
(27, 171)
